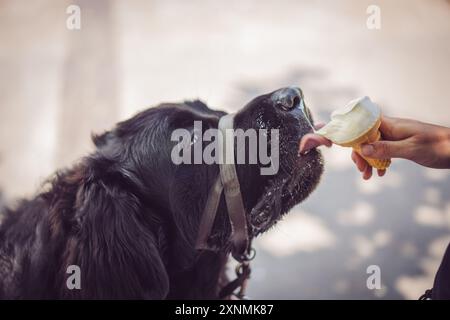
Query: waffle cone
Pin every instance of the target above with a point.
(370, 136)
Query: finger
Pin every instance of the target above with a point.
(361, 164)
(387, 127)
(381, 172)
(354, 157)
(385, 149)
(395, 129)
(311, 140)
(367, 173)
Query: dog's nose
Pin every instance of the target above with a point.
(287, 98)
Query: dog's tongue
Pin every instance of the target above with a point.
(312, 140)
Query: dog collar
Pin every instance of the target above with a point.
(227, 182)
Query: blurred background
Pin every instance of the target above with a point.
(59, 85)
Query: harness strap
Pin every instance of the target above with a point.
(209, 215)
(232, 191)
(228, 182)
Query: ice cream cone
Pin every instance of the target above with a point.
(372, 135)
(355, 124)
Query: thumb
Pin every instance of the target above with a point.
(383, 150)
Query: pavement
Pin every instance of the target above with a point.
(59, 85)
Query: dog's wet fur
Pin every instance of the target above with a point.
(128, 217)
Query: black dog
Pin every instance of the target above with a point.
(128, 217)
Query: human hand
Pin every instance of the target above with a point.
(423, 143)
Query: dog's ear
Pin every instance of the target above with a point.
(114, 247)
(101, 140)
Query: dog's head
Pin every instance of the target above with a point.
(295, 175)
(162, 153)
